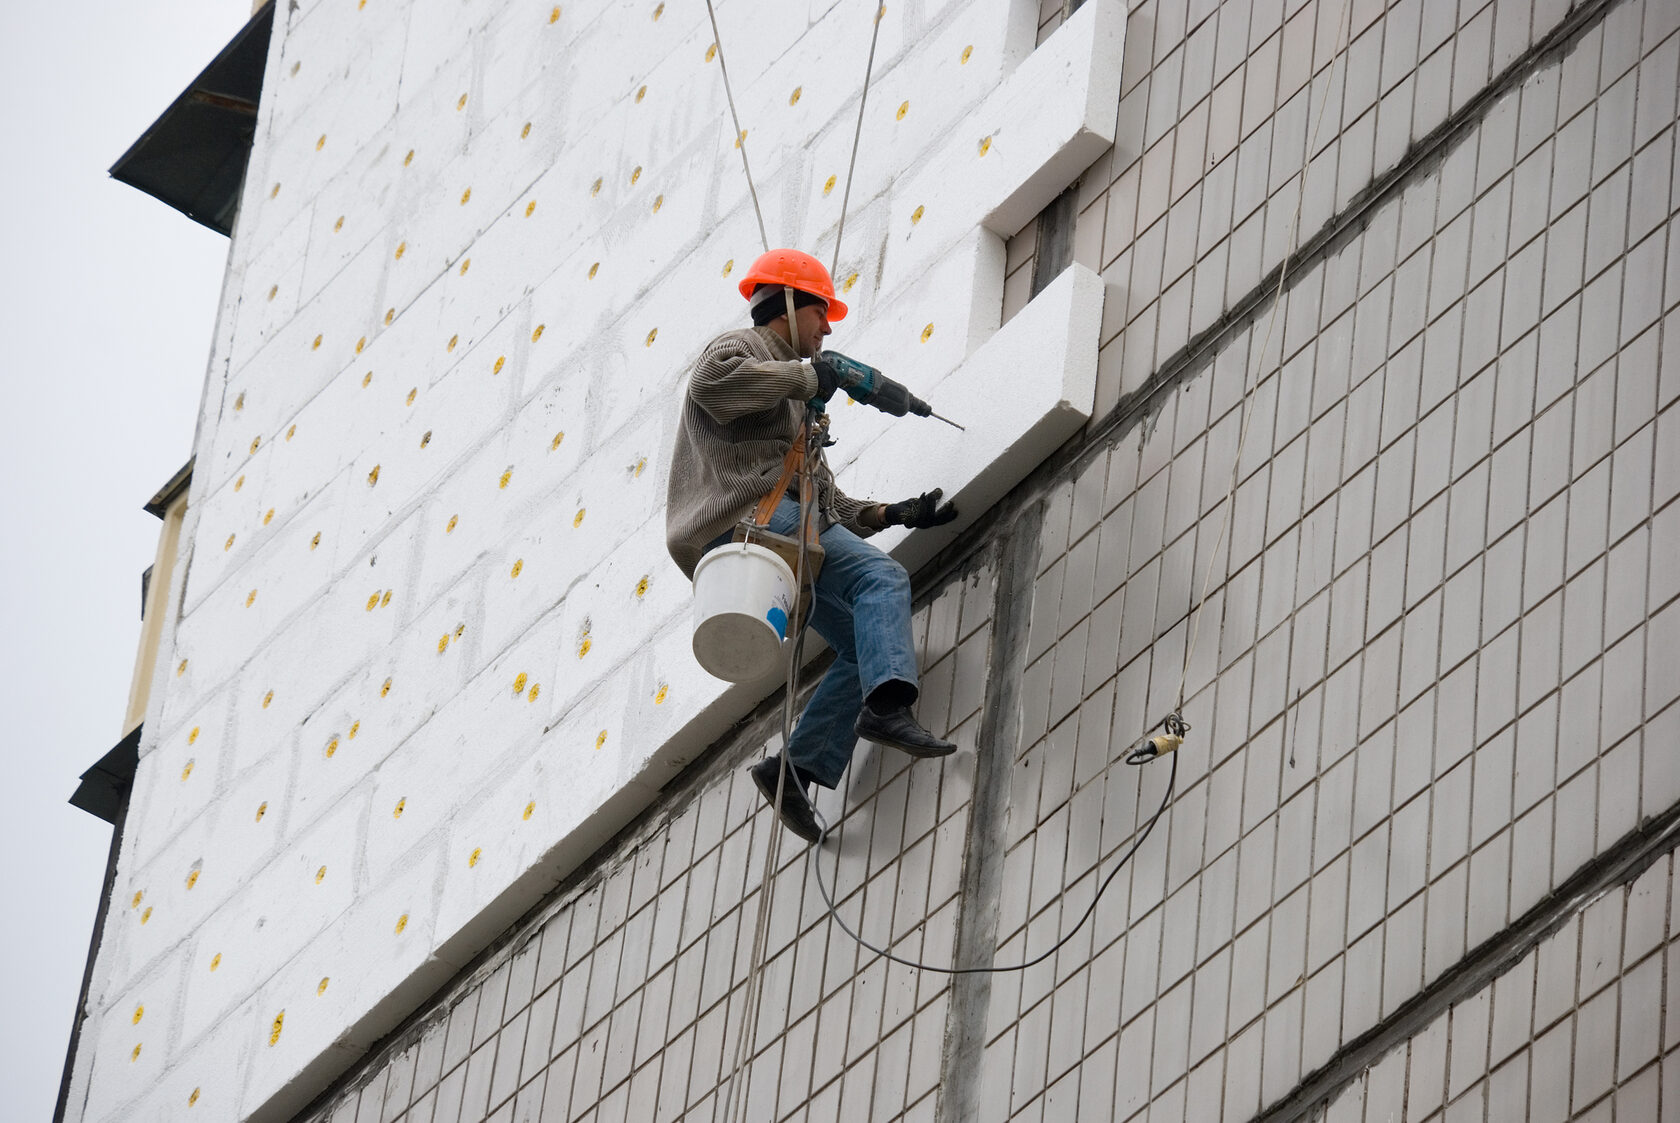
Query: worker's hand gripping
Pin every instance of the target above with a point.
(863, 383)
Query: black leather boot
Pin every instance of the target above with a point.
(796, 812)
(896, 728)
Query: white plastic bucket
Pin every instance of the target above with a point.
(743, 600)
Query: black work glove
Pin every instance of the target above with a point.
(921, 512)
(828, 378)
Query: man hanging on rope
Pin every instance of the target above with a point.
(742, 411)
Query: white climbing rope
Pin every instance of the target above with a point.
(857, 133)
(740, 134)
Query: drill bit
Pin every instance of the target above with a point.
(947, 421)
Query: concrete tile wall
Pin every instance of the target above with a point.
(1575, 1030)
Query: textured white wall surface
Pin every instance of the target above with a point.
(430, 652)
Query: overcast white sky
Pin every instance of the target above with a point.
(107, 300)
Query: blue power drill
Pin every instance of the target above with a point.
(864, 384)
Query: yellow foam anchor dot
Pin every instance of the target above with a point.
(134, 1056)
(402, 247)
(239, 402)
(985, 145)
(316, 346)
(537, 334)
(187, 771)
(181, 669)
(250, 597)
(659, 11)
(519, 683)
(465, 195)
(322, 143)
(275, 191)
(339, 225)
(466, 263)
(139, 1011)
(536, 688)
(373, 476)
(443, 643)
(215, 961)
(147, 915)
(402, 922)
(386, 688)
(902, 110)
(411, 394)
(496, 368)
(600, 739)
(594, 269)
(193, 736)
(584, 645)
(595, 189)
(850, 281)
(239, 483)
(642, 587)
(518, 565)
(659, 695)
(409, 159)
(728, 266)
(531, 207)
(192, 879)
(828, 186)
(916, 215)
(366, 379)
(273, 291)
(274, 1034)
(462, 104)
(386, 599)
(454, 339)
(793, 98)
(635, 174)
(927, 333)
(555, 443)
(554, 16)
(268, 516)
(320, 875)
(657, 203)
(322, 988)
(292, 432)
(742, 139)
(506, 476)
(460, 630)
(525, 132)
(396, 812)
(262, 809)
(530, 809)
(256, 443)
(640, 94)
(267, 698)
(426, 438)
(472, 859)
(373, 601)
(192, 1099)
(139, 894)
(651, 336)
(577, 519)
(968, 50)
(450, 529)
(711, 53)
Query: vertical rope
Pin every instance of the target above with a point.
(740, 136)
(846, 197)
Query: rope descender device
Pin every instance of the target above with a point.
(1173, 729)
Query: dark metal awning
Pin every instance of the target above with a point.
(193, 157)
(105, 786)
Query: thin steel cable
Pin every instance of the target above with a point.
(740, 137)
(1265, 344)
(857, 133)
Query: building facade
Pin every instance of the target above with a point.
(1314, 361)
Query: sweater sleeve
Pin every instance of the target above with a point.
(729, 382)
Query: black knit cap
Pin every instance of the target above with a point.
(768, 302)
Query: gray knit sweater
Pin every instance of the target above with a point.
(740, 414)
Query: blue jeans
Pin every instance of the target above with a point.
(863, 612)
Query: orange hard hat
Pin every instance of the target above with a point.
(796, 270)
